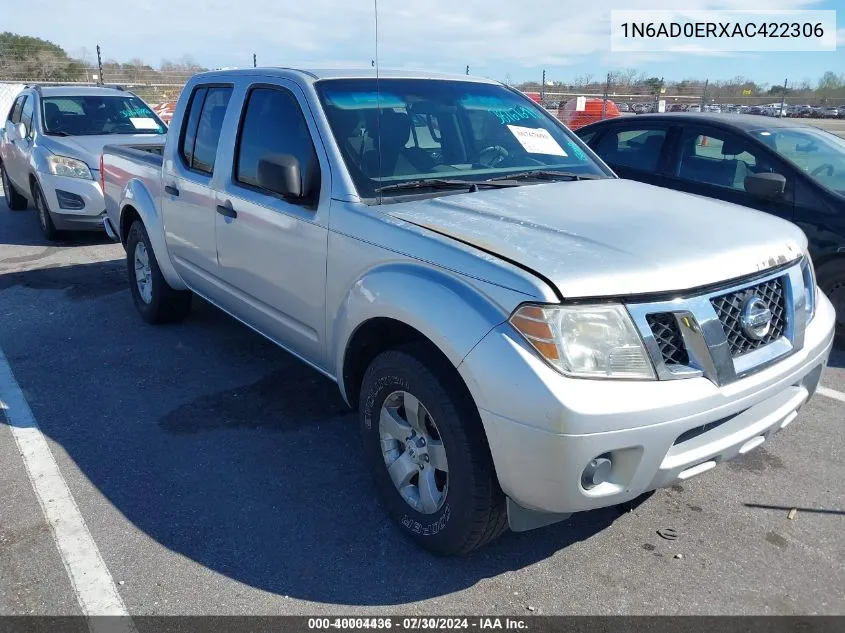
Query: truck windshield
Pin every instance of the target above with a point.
(415, 130)
(97, 115)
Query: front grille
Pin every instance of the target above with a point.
(666, 332)
(729, 310)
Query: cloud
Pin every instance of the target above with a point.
(432, 33)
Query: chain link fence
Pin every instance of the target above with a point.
(578, 103)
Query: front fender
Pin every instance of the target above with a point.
(450, 312)
(136, 196)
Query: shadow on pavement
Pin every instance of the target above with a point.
(21, 228)
(228, 451)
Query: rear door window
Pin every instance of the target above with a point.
(202, 132)
(638, 148)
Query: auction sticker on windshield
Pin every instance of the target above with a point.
(143, 123)
(536, 140)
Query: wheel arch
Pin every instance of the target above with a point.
(402, 303)
(137, 204)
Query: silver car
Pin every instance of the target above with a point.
(50, 150)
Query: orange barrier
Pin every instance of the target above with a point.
(592, 112)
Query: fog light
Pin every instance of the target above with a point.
(68, 200)
(597, 471)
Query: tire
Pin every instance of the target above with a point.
(42, 211)
(471, 510)
(14, 200)
(157, 302)
(831, 279)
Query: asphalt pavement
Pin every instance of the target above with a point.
(218, 475)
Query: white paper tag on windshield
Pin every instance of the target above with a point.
(144, 123)
(536, 140)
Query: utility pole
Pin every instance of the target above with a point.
(99, 67)
(604, 99)
(543, 87)
(254, 61)
(704, 94)
(783, 96)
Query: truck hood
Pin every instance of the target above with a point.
(89, 148)
(612, 237)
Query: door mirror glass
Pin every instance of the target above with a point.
(765, 185)
(281, 173)
(20, 131)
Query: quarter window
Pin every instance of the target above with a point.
(26, 115)
(15, 112)
(273, 124)
(201, 133)
(638, 148)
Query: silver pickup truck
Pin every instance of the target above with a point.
(524, 334)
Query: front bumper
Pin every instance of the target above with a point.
(544, 429)
(93, 205)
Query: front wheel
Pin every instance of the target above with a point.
(426, 449)
(155, 300)
(45, 220)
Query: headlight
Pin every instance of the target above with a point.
(585, 341)
(810, 288)
(64, 166)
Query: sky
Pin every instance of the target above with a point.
(502, 39)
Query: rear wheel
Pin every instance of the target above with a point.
(831, 278)
(154, 299)
(426, 449)
(14, 200)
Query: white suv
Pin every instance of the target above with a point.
(50, 150)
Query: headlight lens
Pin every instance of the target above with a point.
(586, 341)
(810, 289)
(65, 166)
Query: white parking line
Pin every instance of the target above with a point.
(92, 583)
(831, 393)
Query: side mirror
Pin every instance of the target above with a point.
(765, 185)
(280, 173)
(20, 130)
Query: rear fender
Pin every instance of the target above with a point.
(136, 196)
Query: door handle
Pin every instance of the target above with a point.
(229, 212)
(173, 191)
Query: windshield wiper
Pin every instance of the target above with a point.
(442, 183)
(546, 174)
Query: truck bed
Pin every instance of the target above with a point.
(124, 163)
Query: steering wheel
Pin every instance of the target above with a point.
(491, 156)
(823, 167)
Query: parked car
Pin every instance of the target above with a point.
(50, 149)
(623, 107)
(786, 168)
(676, 107)
(831, 113)
(524, 334)
(817, 112)
(694, 107)
(756, 110)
